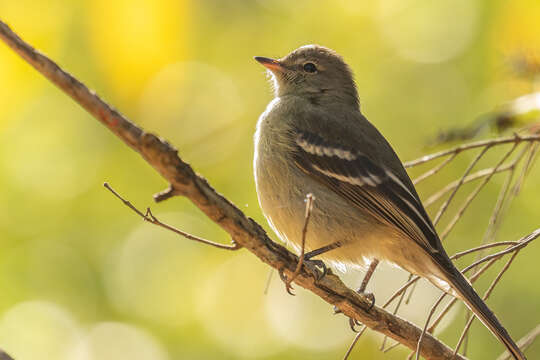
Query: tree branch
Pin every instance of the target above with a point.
(4, 355)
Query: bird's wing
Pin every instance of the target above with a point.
(369, 186)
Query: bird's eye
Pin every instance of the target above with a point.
(310, 67)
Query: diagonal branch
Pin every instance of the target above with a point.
(243, 230)
(4, 355)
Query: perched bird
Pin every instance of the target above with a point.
(312, 138)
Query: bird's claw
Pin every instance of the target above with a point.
(317, 267)
(353, 322)
(283, 277)
(371, 297)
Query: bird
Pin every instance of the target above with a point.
(312, 138)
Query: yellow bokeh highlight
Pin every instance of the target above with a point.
(116, 340)
(132, 39)
(515, 37)
(38, 329)
(518, 29)
(44, 27)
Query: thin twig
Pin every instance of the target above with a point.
(412, 290)
(474, 176)
(152, 219)
(523, 343)
(393, 346)
(471, 196)
(443, 313)
(445, 205)
(431, 312)
(435, 169)
(473, 145)
(396, 309)
(466, 339)
(526, 167)
(497, 212)
(268, 280)
(399, 291)
(482, 247)
(521, 244)
(503, 201)
(309, 207)
(351, 347)
(165, 194)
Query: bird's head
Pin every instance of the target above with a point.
(314, 72)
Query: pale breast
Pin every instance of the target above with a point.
(282, 190)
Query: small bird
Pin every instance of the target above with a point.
(313, 139)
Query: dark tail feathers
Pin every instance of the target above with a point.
(462, 286)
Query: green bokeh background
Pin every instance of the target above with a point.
(82, 278)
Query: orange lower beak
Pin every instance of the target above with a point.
(270, 64)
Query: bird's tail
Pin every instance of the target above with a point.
(466, 292)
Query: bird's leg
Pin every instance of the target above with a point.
(319, 263)
(362, 291)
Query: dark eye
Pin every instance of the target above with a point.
(310, 67)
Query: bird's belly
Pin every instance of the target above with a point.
(333, 219)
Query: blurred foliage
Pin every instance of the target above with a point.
(82, 278)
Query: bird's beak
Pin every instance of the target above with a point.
(270, 64)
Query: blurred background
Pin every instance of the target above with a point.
(83, 278)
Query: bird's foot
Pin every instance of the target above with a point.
(317, 269)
